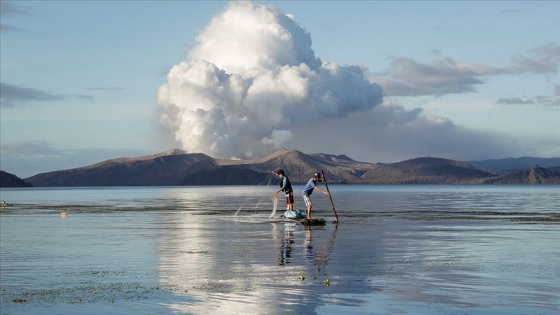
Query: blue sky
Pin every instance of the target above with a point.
(84, 81)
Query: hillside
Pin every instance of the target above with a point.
(175, 167)
(515, 164)
(11, 180)
(227, 175)
(164, 169)
(428, 170)
(300, 166)
(535, 175)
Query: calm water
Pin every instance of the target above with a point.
(396, 250)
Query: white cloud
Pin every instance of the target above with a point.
(278, 138)
(252, 84)
(250, 79)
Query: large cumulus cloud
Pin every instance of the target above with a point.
(252, 78)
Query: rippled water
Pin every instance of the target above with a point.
(396, 249)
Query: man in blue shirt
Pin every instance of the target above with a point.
(308, 190)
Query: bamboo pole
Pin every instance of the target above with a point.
(330, 197)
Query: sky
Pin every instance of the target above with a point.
(378, 81)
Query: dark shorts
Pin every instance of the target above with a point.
(290, 198)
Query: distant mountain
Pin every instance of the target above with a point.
(300, 166)
(514, 164)
(11, 180)
(226, 175)
(164, 169)
(428, 170)
(535, 175)
(175, 167)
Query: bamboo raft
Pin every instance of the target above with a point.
(313, 221)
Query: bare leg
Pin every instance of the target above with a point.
(309, 213)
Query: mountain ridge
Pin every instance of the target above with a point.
(176, 167)
(11, 180)
(515, 164)
(535, 175)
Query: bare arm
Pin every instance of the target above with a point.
(319, 189)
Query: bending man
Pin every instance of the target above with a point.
(308, 190)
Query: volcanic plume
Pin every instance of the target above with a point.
(250, 79)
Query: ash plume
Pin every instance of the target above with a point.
(250, 80)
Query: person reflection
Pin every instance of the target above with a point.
(286, 244)
(308, 251)
(314, 255)
(317, 253)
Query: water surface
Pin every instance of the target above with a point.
(168, 250)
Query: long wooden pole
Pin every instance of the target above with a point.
(330, 197)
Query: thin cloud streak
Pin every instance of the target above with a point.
(7, 10)
(541, 60)
(12, 95)
(105, 88)
(515, 101)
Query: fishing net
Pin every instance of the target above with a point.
(274, 205)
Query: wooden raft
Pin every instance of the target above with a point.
(313, 221)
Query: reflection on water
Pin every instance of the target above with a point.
(275, 265)
(397, 249)
(286, 244)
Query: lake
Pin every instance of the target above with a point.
(403, 249)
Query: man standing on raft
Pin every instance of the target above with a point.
(286, 187)
(308, 190)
